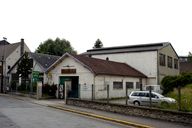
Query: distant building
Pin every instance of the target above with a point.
(154, 60)
(185, 64)
(40, 63)
(9, 54)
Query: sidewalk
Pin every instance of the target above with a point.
(134, 121)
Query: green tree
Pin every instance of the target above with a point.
(98, 44)
(24, 68)
(190, 57)
(55, 47)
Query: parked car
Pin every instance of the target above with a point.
(142, 98)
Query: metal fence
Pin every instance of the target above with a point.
(120, 95)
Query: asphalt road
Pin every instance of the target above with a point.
(16, 113)
(22, 114)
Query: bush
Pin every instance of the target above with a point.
(49, 89)
(171, 82)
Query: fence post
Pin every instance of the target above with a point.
(179, 98)
(150, 96)
(92, 92)
(107, 93)
(126, 94)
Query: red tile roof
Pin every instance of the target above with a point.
(102, 67)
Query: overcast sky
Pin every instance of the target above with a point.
(114, 22)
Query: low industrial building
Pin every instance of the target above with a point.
(89, 77)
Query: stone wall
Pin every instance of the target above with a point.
(174, 116)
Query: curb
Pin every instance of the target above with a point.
(101, 117)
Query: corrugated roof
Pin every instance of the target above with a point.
(103, 67)
(129, 48)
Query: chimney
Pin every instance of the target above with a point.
(22, 47)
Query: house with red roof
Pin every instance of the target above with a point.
(89, 77)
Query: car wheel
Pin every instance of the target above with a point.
(136, 103)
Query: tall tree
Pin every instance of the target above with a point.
(98, 44)
(55, 47)
(24, 67)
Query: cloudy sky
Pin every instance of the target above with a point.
(114, 22)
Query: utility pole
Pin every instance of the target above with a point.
(2, 65)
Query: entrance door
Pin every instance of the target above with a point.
(73, 82)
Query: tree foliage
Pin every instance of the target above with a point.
(55, 47)
(98, 44)
(24, 67)
(171, 82)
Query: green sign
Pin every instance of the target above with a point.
(36, 76)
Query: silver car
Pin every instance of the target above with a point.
(142, 98)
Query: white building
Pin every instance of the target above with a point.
(40, 63)
(89, 77)
(9, 54)
(154, 60)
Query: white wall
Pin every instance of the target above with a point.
(102, 81)
(14, 57)
(145, 62)
(86, 78)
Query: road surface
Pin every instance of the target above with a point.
(16, 113)
(21, 114)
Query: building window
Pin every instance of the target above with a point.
(117, 85)
(176, 63)
(129, 85)
(169, 62)
(162, 59)
(137, 85)
(8, 66)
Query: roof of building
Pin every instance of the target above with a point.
(102, 67)
(44, 60)
(185, 67)
(4, 42)
(6, 50)
(129, 48)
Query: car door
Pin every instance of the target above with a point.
(144, 100)
(155, 99)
